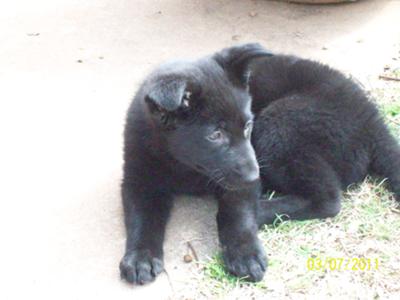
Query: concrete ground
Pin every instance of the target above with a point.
(68, 70)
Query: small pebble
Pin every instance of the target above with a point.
(298, 34)
(235, 37)
(187, 258)
(253, 14)
(324, 48)
(79, 61)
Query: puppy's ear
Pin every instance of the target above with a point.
(166, 95)
(235, 61)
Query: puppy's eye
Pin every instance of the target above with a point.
(216, 136)
(186, 99)
(247, 129)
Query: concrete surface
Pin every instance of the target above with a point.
(68, 70)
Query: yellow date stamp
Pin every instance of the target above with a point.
(342, 264)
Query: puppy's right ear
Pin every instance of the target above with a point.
(235, 61)
(166, 95)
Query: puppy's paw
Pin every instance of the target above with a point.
(140, 267)
(250, 262)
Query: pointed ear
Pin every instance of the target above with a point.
(235, 61)
(166, 94)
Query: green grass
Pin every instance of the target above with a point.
(392, 113)
(387, 96)
(368, 226)
(215, 271)
(392, 110)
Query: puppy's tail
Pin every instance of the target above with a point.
(386, 160)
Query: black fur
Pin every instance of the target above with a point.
(188, 132)
(315, 133)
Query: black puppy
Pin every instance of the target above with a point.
(189, 131)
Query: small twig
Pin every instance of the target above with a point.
(395, 210)
(169, 281)
(344, 248)
(393, 121)
(385, 77)
(193, 251)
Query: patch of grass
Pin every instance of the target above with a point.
(387, 97)
(392, 110)
(215, 270)
(221, 280)
(391, 114)
(367, 227)
(395, 72)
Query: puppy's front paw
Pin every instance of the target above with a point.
(140, 267)
(247, 261)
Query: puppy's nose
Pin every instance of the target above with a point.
(248, 170)
(251, 172)
(246, 164)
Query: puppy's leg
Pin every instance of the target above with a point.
(146, 214)
(312, 188)
(386, 160)
(242, 252)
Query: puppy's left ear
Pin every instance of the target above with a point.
(166, 94)
(235, 61)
